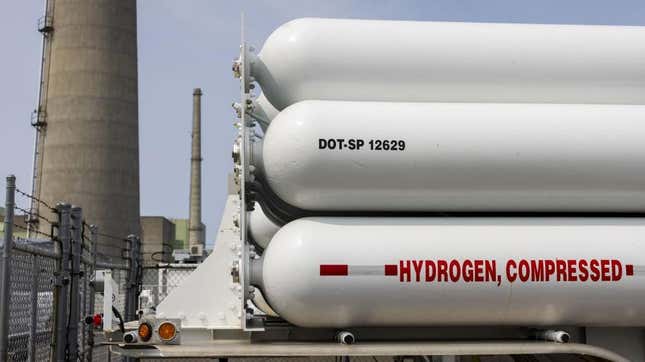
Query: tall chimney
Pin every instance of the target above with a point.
(90, 154)
(195, 226)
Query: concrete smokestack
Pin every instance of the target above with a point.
(195, 226)
(91, 150)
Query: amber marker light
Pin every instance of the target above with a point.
(167, 331)
(145, 332)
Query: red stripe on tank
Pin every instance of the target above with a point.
(334, 269)
(391, 269)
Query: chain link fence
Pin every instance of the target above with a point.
(31, 307)
(47, 287)
(47, 290)
(160, 280)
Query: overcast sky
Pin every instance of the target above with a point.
(191, 43)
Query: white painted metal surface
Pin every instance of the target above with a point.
(387, 156)
(293, 350)
(260, 227)
(263, 111)
(392, 274)
(208, 298)
(110, 289)
(343, 59)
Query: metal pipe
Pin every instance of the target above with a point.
(5, 276)
(195, 227)
(62, 282)
(345, 337)
(41, 115)
(552, 335)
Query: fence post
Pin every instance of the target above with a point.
(139, 271)
(35, 271)
(132, 292)
(92, 296)
(76, 250)
(62, 282)
(5, 275)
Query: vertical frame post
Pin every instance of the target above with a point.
(139, 276)
(62, 281)
(132, 285)
(35, 272)
(92, 295)
(74, 310)
(246, 178)
(5, 272)
(132, 291)
(245, 150)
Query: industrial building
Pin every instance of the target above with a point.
(162, 238)
(20, 227)
(181, 233)
(157, 239)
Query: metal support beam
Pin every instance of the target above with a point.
(74, 310)
(92, 296)
(134, 272)
(62, 282)
(133, 282)
(34, 307)
(5, 272)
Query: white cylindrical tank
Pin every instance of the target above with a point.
(376, 60)
(351, 272)
(261, 227)
(387, 156)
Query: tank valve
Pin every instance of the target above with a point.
(345, 337)
(237, 108)
(236, 68)
(552, 335)
(236, 153)
(235, 271)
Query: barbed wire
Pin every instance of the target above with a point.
(154, 256)
(108, 257)
(35, 199)
(27, 212)
(111, 237)
(85, 224)
(110, 246)
(33, 231)
(164, 246)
